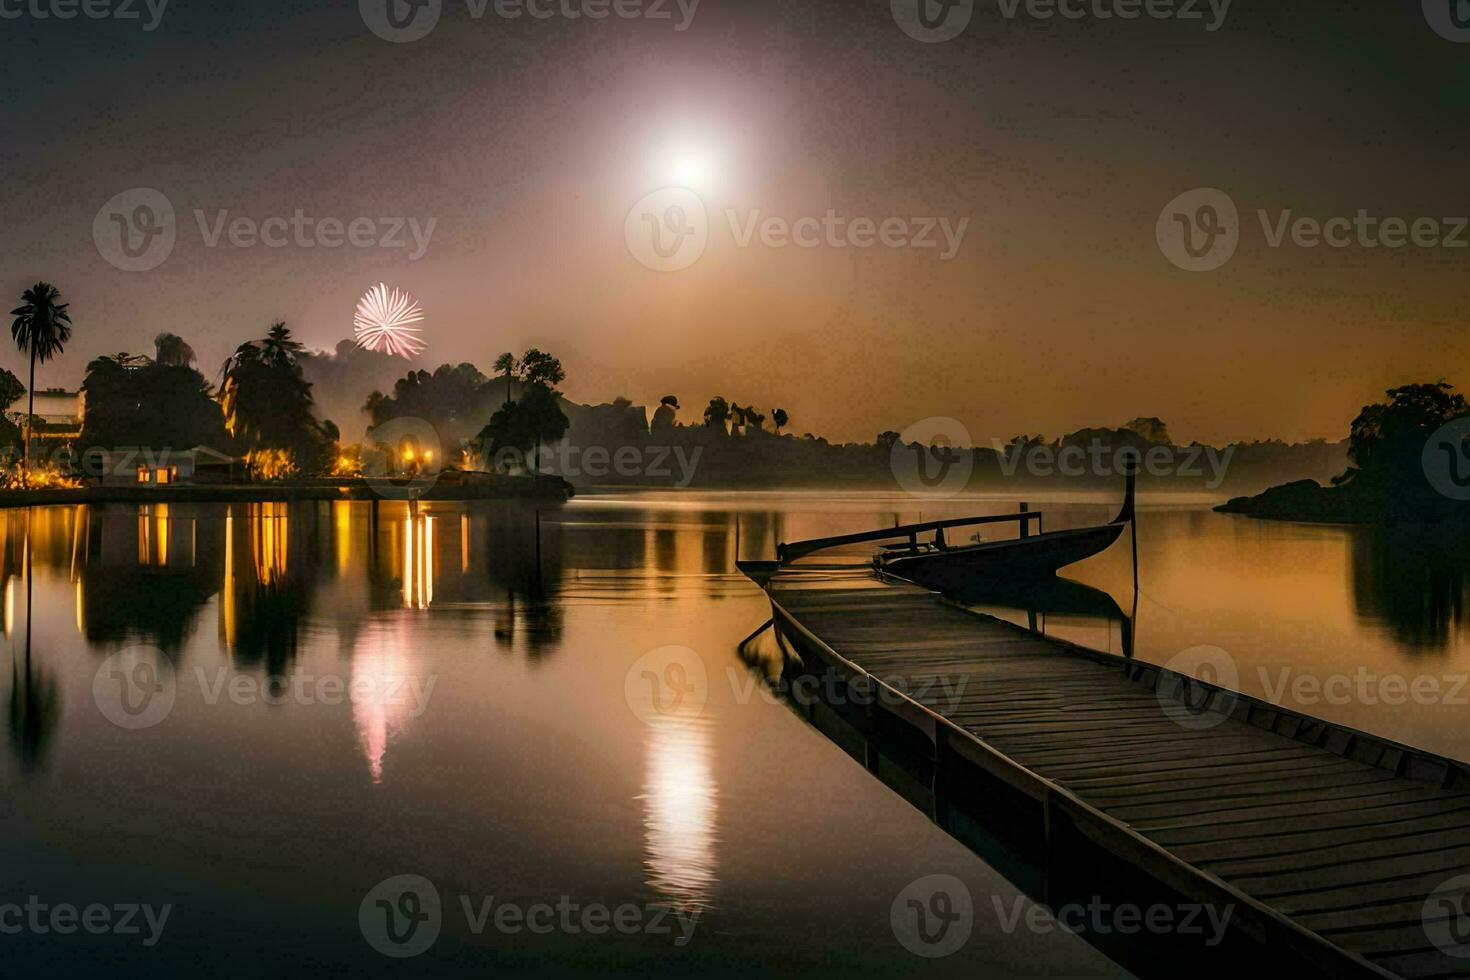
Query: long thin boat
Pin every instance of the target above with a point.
(949, 569)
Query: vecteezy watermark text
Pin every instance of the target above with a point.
(39, 918)
(90, 9)
(1200, 230)
(832, 230)
(304, 231)
(1101, 459)
(830, 689)
(401, 21)
(933, 21)
(137, 687)
(1288, 687)
(669, 230)
(598, 462)
(402, 916)
(1100, 918)
(136, 230)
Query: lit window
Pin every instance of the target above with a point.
(163, 475)
(142, 474)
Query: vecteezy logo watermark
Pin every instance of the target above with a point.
(408, 20)
(40, 918)
(932, 458)
(1099, 918)
(401, 916)
(405, 460)
(135, 231)
(400, 21)
(1189, 705)
(1446, 459)
(135, 687)
(669, 684)
(1449, 18)
(668, 230)
(1199, 230)
(933, 917)
(933, 21)
(91, 9)
(1446, 917)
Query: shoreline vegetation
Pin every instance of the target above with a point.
(279, 418)
(1406, 457)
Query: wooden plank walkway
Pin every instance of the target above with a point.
(1333, 839)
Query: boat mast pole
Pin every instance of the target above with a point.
(1132, 478)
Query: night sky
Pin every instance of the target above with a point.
(527, 141)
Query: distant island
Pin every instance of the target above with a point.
(1406, 459)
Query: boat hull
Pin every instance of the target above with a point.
(1038, 556)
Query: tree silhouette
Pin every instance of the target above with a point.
(10, 389)
(268, 404)
(1383, 432)
(506, 365)
(716, 413)
(524, 425)
(454, 399)
(663, 418)
(132, 401)
(172, 351)
(42, 328)
(540, 368)
(779, 418)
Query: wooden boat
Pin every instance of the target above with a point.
(1055, 596)
(944, 568)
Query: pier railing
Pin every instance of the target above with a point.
(789, 551)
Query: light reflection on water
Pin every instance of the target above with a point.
(681, 803)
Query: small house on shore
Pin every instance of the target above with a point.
(161, 467)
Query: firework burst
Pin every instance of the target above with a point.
(385, 322)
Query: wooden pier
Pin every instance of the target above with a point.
(1328, 842)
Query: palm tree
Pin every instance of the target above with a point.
(268, 404)
(278, 347)
(506, 364)
(42, 327)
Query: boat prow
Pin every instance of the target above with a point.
(759, 572)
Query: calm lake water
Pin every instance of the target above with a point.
(336, 694)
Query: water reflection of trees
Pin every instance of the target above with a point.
(271, 570)
(524, 555)
(35, 697)
(1414, 582)
(143, 572)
